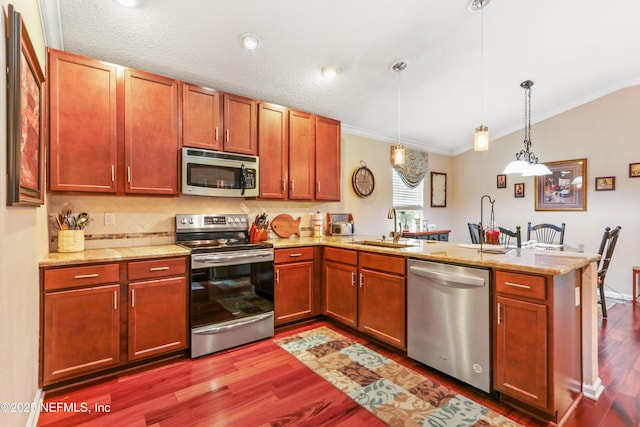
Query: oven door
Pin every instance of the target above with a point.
(231, 299)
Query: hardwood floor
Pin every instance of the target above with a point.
(261, 384)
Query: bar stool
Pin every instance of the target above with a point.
(636, 271)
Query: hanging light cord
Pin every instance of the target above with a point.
(481, 63)
(525, 154)
(399, 72)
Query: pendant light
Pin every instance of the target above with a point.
(526, 163)
(398, 151)
(481, 140)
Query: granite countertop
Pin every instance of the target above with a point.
(527, 260)
(89, 256)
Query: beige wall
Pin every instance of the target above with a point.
(605, 132)
(23, 243)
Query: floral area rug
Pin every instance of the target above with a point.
(395, 394)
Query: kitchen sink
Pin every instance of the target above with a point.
(382, 244)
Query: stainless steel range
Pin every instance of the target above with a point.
(231, 297)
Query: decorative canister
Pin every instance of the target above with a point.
(318, 225)
(70, 240)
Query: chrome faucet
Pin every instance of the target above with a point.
(394, 216)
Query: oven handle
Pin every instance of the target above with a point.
(216, 258)
(219, 329)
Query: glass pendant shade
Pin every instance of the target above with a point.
(481, 142)
(397, 155)
(537, 169)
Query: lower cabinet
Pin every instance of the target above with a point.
(367, 291)
(87, 327)
(293, 287)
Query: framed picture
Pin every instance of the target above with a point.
(565, 189)
(605, 183)
(634, 170)
(438, 190)
(518, 189)
(25, 113)
(501, 181)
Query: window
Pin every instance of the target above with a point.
(409, 203)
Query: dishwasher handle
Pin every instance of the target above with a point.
(448, 279)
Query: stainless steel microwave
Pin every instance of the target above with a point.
(214, 173)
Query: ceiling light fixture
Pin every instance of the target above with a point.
(127, 3)
(329, 71)
(526, 163)
(250, 41)
(477, 5)
(397, 151)
(481, 139)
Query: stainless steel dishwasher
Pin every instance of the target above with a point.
(448, 325)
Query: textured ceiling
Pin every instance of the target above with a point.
(574, 51)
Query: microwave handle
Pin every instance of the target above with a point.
(243, 179)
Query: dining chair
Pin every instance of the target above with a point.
(546, 233)
(506, 235)
(476, 232)
(607, 245)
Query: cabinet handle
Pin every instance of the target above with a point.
(353, 278)
(284, 185)
(361, 280)
(318, 186)
(113, 173)
(158, 268)
(115, 300)
(517, 285)
(295, 255)
(86, 276)
(133, 298)
(227, 136)
(292, 185)
(216, 133)
(129, 174)
(278, 276)
(499, 313)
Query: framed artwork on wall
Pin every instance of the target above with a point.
(25, 112)
(438, 190)
(605, 183)
(501, 181)
(518, 189)
(634, 170)
(565, 189)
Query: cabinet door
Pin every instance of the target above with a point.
(82, 114)
(81, 332)
(327, 159)
(381, 305)
(273, 146)
(521, 351)
(341, 290)
(301, 155)
(151, 140)
(157, 317)
(293, 291)
(201, 117)
(240, 122)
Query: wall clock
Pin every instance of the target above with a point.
(363, 181)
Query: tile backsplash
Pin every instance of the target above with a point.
(142, 221)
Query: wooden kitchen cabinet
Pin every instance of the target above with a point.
(293, 287)
(81, 321)
(301, 155)
(201, 117)
(273, 150)
(341, 285)
(82, 119)
(537, 364)
(382, 297)
(241, 124)
(327, 159)
(151, 143)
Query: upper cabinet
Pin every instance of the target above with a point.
(240, 123)
(82, 120)
(327, 159)
(273, 150)
(201, 117)
(302, 138)
(112, 130)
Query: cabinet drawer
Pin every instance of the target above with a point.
(293, 255)
(388, 264)
(74, 277)
(344, 256)
(156, 268)
(522, 285)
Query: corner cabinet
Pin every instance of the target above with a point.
(367, 291)
(537, 342)
(104, 317)
(293, 284)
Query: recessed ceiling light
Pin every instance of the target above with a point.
(476, 5)
(329, 71)
(250, 41)
(127, 3)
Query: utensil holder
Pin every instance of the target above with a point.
(261, 235)
(70, 240)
